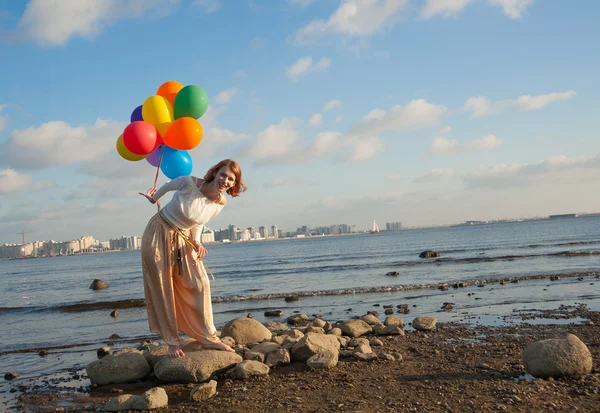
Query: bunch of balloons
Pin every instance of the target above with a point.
(165, 127)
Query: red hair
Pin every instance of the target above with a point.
(238, 187)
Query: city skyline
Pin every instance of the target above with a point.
(487, 112)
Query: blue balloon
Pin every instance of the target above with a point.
(176, 163)
(136, 115)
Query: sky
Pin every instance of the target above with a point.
(427, 112)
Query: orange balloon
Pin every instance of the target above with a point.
(169, 90)
(183, 134)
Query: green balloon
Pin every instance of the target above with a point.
(191, 101)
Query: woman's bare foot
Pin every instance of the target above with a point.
(218, 346)
(175, 352)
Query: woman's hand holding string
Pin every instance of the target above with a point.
(149, 194)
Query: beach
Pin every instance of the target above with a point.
(457, 367)
(508, 285)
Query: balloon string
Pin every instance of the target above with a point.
(157, 171)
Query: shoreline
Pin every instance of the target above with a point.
(456, 367)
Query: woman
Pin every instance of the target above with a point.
(176, 285)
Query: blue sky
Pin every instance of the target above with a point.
(339, 111)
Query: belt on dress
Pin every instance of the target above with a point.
(187, 239)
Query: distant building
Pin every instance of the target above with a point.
(263, 232)
(274, 231)
(559, 216)
(393, 226)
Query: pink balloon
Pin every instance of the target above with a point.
(140, 137)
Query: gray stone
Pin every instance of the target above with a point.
(278, 358)
(388, 330)
(120, 403)
(355, 328)
(122, 367)
(394, 321)
(250, 368)
(557, 357)
(424, 323)
(246, 330)
(323, 360)
(155, 398)
(313, 343)
(204, 391)
(196, 366)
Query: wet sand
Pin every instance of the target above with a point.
(458, 367)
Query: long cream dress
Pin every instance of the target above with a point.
(176, 285)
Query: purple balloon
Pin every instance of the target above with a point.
(154, 157)
(136, 115)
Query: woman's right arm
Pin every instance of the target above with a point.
(154, 195)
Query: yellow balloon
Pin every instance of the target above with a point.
(124, 152)
(162, 128)
(157, 110)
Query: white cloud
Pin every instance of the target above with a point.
(443, 146)
(528, 102)
(480, 106)
(333, 104)
(226, 96)
(11, 181)
(339, 119)
(326, 142)
(355, 18)
(275, 142)
(364, 148)
(436, 175)
(513, 8)
(210, 6)
(416, 114)
(446, 8)
(301, 3)
(395, 177)
(305, 65)
(58, 143)
(54, 23)
(316, 120)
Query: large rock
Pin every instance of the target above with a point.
(246, 330)
(557, 357)
(313, 343)
(250, 368)
(155, 398)
(424, 323)
(429, 254)
(155, 352)
(98, 285)
(196, 366)
(355, 328)
(122, 367)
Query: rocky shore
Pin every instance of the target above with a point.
(369, 364)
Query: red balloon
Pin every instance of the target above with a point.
(140, 137)
(159, 140)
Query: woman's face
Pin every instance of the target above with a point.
(225, 178)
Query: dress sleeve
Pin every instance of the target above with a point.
(173, 185)
(196, 233)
